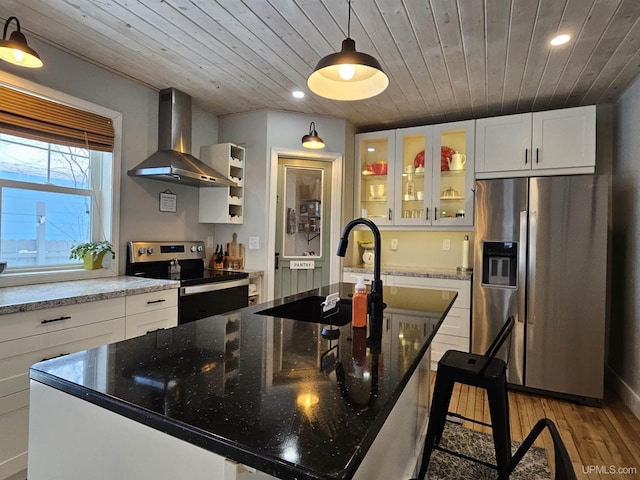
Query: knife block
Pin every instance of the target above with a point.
(214, 264)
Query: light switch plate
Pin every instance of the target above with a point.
(209, 242)
(394, 244)
(446, 244)
(254, 243)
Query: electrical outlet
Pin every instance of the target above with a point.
(394, 244)
(446, 244)
(209, 242)
(254, 243)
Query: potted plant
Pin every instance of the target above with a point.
(92, 253)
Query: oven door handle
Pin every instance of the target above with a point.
(212, 287)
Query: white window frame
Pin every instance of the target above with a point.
(110, 202)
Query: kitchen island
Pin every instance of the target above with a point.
(248, 394)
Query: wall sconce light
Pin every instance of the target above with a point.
(312, 140)
(348, 74)
(15, 50)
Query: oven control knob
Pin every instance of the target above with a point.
(199, 248)
(149, 250)
(194, 248)
(141, 250)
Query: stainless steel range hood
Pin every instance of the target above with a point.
(173, 161)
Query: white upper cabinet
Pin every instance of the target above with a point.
(223, 204)
(453, 174)
(375, 163)
(408, 176)
(556, 142)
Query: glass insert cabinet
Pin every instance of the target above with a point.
(417, 176)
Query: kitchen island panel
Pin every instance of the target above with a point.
(102, 445)
(299, 405)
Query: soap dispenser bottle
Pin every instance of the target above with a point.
(359, 303)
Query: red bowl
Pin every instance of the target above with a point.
(445, 157)
(379, 168)
(419, 160)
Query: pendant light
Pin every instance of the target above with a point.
(348, 74)
(312, 140)
(15, 50)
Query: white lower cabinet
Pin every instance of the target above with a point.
(148, 312)
(349, 277)
(455, 331)
(31, 337)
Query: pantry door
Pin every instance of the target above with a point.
(302, 226)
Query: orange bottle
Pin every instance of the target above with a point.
(359, 304)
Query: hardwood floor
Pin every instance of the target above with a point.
(603, 443)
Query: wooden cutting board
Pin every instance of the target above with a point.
(236, 253)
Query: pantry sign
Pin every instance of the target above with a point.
(302, 264)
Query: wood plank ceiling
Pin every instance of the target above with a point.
(447, 59)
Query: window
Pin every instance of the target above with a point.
(55, 191)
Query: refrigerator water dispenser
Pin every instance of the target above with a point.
(500, 264)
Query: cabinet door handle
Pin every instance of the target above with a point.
(526, 156)
(427, 214)
(277, 263)
(151, 302)
(537, 155)
(435, 213)
(59, 319)
(389, 214)
(55, 356)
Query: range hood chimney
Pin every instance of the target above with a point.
(173, 161)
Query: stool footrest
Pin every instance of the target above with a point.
(457, 415)
(466, 457)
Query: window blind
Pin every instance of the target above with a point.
(34, 117)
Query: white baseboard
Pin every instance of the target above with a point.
(628, 396)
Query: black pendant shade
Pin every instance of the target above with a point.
(348, 74)
(312, 140)
(15, 50)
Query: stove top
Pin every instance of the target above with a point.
(193, 277)
(153, 259)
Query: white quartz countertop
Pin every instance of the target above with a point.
(425, 272)
(46, 295)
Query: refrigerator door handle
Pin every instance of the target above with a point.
(533, 234)
(522, 266)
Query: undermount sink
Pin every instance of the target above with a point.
(308, 309)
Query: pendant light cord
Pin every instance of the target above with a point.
(349, 21)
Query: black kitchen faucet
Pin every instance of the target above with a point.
(376, 305)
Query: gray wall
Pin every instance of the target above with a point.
(624, 347)
(140, 218)
(260, 132)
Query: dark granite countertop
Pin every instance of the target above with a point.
(264, 391)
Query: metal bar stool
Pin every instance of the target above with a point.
(483, 371)
(564, 468)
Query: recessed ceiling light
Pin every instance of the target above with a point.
(298, 94)
(560, 39)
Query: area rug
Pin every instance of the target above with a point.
(443, 466)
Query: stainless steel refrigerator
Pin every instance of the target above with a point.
(540, 254)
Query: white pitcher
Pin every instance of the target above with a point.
(458, 161)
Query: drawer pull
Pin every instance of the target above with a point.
(55, 356)
(156, 330)
(55, 320)
(156, 301)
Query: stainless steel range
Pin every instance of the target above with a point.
(204, 292)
